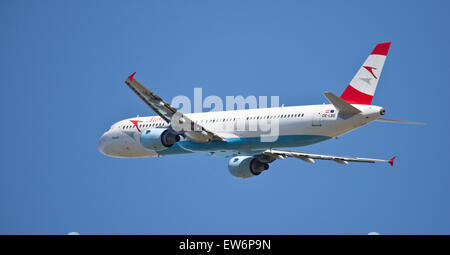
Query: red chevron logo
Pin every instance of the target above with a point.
(370, 69)
(135, 123)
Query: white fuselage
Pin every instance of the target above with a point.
(244, 130)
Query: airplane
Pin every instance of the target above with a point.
(214, 133)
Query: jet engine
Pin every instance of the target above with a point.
(246, 166)
(157, 139)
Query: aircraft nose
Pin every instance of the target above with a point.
(102, 144)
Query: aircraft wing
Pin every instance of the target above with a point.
(171, 115)
(310, 157)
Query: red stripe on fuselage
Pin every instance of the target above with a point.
(354, 96)
(381, 49)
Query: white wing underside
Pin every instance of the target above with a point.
(310, 157)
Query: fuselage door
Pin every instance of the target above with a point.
(317, 119)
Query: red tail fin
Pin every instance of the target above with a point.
(362, 87)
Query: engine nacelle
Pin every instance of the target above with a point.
(246, 166)
(158, 139)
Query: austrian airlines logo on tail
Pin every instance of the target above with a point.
(369, 68)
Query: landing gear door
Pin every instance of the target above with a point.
(317, 119)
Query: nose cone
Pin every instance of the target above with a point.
(103, 144)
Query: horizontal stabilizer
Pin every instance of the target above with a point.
(342, 106)
(400, 121)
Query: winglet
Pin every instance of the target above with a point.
(391, 161)
(131, 76)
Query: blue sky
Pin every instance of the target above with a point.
(63, 64)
